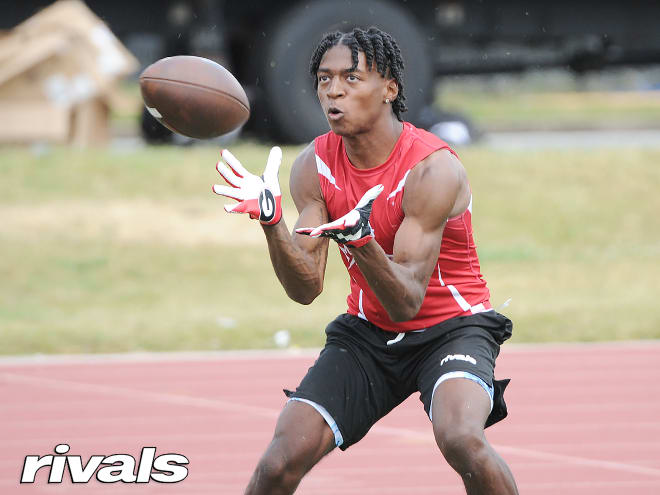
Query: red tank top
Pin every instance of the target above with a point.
(456, 287)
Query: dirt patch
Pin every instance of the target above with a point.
(129, 221)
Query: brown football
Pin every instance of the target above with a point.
(194, 96)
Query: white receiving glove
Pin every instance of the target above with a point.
(260, 197)
(353, 229)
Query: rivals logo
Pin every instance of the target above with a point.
(166, 468)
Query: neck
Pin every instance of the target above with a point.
(372, 148)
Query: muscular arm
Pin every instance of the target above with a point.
(299, 261)
(436, 190)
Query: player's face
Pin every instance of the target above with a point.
(351, 100)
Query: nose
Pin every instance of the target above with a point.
(335, 88)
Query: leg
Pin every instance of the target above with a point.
(301, 439)
(460, 408)
(349, 384)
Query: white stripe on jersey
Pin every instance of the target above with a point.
(400, 186)
(460, 300)
(361, 312)
(324, 170)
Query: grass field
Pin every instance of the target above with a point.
(108, 250)
(554, 99)
(556, 110)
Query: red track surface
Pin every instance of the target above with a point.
(584, 419)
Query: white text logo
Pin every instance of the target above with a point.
(166, 468)
(459, 357)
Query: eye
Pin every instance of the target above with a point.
(352, 77)
(323, 78)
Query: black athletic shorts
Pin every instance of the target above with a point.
(364, 372)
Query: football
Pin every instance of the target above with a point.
(194, 96)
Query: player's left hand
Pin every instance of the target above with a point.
(353, 229)
(260, 197)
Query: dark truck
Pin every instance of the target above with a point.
(267, 44)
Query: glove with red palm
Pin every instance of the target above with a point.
(353, 229)
(259, 197)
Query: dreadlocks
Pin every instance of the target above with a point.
(379, 48)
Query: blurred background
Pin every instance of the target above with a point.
(111, 240)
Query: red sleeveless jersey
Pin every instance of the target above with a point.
(456, 287)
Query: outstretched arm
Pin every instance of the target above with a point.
(436, 190)
(299, 262)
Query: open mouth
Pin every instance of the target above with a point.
(334, 113)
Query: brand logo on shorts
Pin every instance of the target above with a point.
(166, 468)
(458, 357)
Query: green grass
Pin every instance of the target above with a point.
(574, 240)
(105, 251)
(520, 107)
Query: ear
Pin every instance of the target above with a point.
(391, 90)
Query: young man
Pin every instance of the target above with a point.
(397, 202)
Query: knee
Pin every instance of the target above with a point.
(275, 469)
(462, 446)
(280, 467)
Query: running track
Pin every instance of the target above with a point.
(584, 419)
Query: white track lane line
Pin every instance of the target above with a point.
(150, 357)
(527, 453)
(186, 400)
(578, 461)
(156, 357)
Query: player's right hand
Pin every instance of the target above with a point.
(353, 229)
(259, 197)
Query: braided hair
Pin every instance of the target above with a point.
(379, 48)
